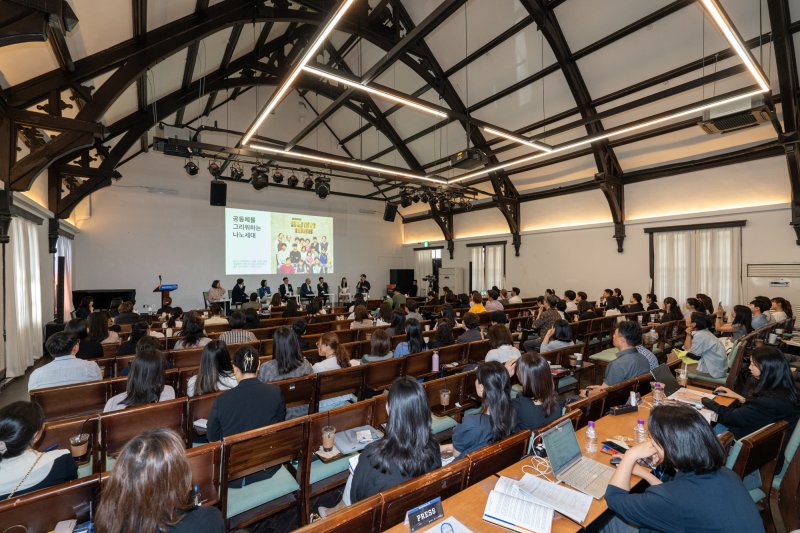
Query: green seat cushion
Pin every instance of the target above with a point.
(566, 382)
(757, 495)
(605, 356)
(788, 455)
(320, 470)
(110, 463)
(733, 454)
(442, 423)
(705, 377)
(85, 470)
(593, 341)
(261, 492)
(473, 411)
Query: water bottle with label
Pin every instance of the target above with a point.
(640, 434)
(658, 394)
(435, 361)
(591, 438)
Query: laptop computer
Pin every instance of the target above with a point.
(663, 374)
(570, 466)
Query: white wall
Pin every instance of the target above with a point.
(134, 235)
(568, 243)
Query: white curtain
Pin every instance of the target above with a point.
(64, 249)
(495, 259)
(23, 298)
(478, 279)
(424, 266)
(707, 261)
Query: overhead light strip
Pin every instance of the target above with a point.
(346, 163)
(383, 94)
(606, 135)
(516, 138)
(284, 89)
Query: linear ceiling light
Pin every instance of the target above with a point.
(284, 89)
(383, 94)
(517, 139)
(347, 163)
(606, 135)
(726, 27)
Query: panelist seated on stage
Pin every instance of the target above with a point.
(216, 293)
(322, 288)
(238, 294)
(264, 291)
(285, 288)
(306, 290)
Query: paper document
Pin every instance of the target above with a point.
(571, 503)
(201, 423)
(454, 527)
(510, 507)
(690, 397)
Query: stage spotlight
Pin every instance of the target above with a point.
(277, 177)
(308, 183)
(292, 181)
(259, 177)
(213, 168)
(237, 172)
(415, 197)
(443, 203)
(425, 198)
(191, 168)
(322, 186)
(405, 198)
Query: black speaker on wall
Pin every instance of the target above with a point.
(402, 277)
(62, 261)
(390, 212)
(219, 193)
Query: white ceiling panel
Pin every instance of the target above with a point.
(193, 111)
(160, 12)
(21, 62)
(210, 52)
(794, 9)
(578, 169)
(100, 26)
(166, 76)
(122, 106)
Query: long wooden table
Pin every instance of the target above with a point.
(468, 505)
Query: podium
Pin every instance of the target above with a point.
(164, 289)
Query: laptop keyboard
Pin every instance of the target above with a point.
(584, 473)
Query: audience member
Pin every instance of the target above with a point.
(581, 297)
(334, 356)
(693, 305)
(361, 318)
(477, 303)
(618, 295)
(652, 301)
(463, 302)
(612, 308)
(708, 305)
(254, 303)
(559, 336)
(299, 327)
(741, 324)
(502, 345)
(287, 362)
(237, 333)
(545, 318)
(113, 306)
(397, 326)
(504, 297)
(635, 303)
(126, 314)
(215, 373)
(23, 469)
(98, 328)
(702, 345)
(153, 462)
(414, 342)
(87, 348)
(251, 319)
(380, 347)
(145, 383)
(292, 309)
(398, 298)
(629, 362)
(607, 293)
(702, 496)
(65, 368)
(194, 336)
(473, 331)
(781, 310)
(216, 318)
(492, 303)
(496, 418)
(569, 299)
(672, 310)
(585, 311)
(412, 311)
(444, 335)
(537, 404)
(85, 308)
(498, 317)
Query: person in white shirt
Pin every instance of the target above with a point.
(216, 371)
(66, 368)
(335, 357)
(503, 349)
(612, 308)
(781, 310)
(515, 298)
(215, 319)
(569, 298)
(145, 383)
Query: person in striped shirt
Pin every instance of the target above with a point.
(237, 334)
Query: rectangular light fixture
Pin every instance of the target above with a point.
(347, 163)
(383, 94)
(284, 89)
(722, 21)
(517, 139)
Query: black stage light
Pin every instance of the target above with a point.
(277, 177)
(237, 172)
(191, 168)
(405, 197)
(322, 186)
(213, 168)
(415, 197)
(308, 183)
(442, 203)
(259, 177)
(424, 197)
(292, 181)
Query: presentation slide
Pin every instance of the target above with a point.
(261, 242)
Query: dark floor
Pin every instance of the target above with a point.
(16, 389)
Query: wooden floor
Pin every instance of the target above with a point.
(17, 389)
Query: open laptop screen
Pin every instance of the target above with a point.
(561, 445)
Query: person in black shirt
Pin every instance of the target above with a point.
(88, 349)
(652, 302)
(85, 308)
(363, 285)
(238, 294)
(538, 403)
(126, 314)
(154, 460)
(138, 330)
(472, 323)
(166, 306)
(322, 289)
(250, 405)
(635, 304)
(444, 335)
(413, 290)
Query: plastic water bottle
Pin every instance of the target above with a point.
(196, 495)
(435, 361)
(658, 394)
(640, 434)
(591, 438)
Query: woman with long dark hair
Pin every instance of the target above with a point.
(23, 469)
(194, 336)
(775, 396)
(502, 345)
(87, 348)
(444, 335)
(380, 347)
(287, 362)
(702, 496)
(739, 326)
(414, 342)
(672, 311)
(145, 383)
(397, 326)
(407, 450)
(559, 336)
(334, 355)
(153, 463)
(292, 309)
(98, 328)
(85, 308)
(215, 373)
(538, 403)
(496, 418)
(781, 310)
(139, 329)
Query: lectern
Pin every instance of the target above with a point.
(164, 289)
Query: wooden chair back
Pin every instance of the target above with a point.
(760, 451)
(477, 350)
(381, 374)
(300, 391)
(495, 457)
(107, 365)
(186, 358)
(572, 415)
(620, 393)
(419, 365)
(72, 400)
(198, 407)
(118, 427)
(339, 382)
(59, 432)
(453, 383)
(726, 438)
(591, 408)
(253, 451)
(455, 353)
(442, 482)
(380, 414)
(43, 509)
(361, 517)
(205, 462)
(397, 339)
(110, 349)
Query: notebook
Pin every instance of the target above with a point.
(510, 507)
(663, 374)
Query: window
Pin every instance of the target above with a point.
(488, 265)
(697, 259)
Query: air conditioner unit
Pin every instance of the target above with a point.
(734, 116)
